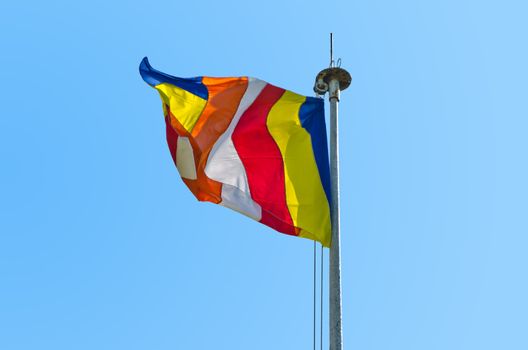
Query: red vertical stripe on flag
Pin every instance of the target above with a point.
(263, 161)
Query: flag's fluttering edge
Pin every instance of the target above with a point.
(250, 146)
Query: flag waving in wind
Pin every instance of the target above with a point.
(250, 146)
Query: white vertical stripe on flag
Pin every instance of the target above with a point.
(224, 164)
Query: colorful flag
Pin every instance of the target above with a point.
(250, 146)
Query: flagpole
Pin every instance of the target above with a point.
(333, 80)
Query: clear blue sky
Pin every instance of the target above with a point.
(103, 247)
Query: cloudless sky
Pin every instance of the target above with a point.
(103, 247)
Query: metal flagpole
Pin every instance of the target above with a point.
(333, 80)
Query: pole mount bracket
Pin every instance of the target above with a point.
(326, 75)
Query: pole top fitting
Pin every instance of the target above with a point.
(325, 76)
(333, 78)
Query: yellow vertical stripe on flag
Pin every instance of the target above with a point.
(185, 106)
(305, 196)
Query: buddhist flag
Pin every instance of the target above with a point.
(250, 146)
